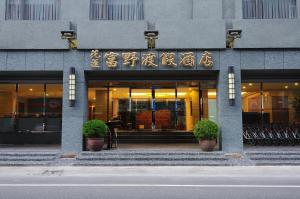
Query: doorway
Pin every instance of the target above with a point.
(153, 106)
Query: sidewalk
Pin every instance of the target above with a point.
(255, 171)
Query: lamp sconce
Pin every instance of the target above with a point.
(151, 36)
(231, 86)
(72, 87)
(231, 36)
(71, 36)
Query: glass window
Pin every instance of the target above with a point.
(117, 10)
(53, 107)
(269, 9)
(31, 107)
(32, 10)
(267, 104)
(7, 107)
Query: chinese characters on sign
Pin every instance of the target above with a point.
(95, 56)
(206, 60)
(151, 59)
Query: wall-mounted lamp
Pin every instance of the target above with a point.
(70, 35)
(231, 87)
(231, 36)
(72, 87)
(151, 36)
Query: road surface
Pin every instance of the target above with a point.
(150, 183)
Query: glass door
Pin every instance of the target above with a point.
(141, 108)
(165, 108)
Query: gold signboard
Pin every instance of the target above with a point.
(151, 59)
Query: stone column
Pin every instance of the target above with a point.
(73, 117)
(2, 10)
(238, 9)
(298, 8)
(230, 117)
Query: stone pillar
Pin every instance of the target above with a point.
(230, 117)
(2, 10)
(73, 117)
(238, 9)
(298, 8)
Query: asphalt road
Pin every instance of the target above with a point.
(55, 184)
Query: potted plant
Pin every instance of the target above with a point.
(94, 131)
(206, 132)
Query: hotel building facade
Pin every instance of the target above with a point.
(62, 62)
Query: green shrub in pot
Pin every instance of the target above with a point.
(207, 132)
(95, 131)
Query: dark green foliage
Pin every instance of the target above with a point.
(94, 129)
(206, 130)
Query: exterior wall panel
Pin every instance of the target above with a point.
(203, 9)
(3, 56)
(189, 34)
(168, 9)
(75, 10)
(35, 60)
(112, 35)
(292, 59)
(2, 10)
(54, 60)
(252, 59)
(274, 59)
(16, 61)
(265, 33)
(32, 35)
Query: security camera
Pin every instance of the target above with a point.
(236, 33)
(68, 34)
(151, 33)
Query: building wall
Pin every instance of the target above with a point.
(183, 25)
(45, 60)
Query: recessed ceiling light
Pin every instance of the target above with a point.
(250, 84)
(286, 87)
(30, 89)
(296, 83)
(244, 87)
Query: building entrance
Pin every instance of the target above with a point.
(153, 106)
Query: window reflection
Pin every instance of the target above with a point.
(7, 107)
(271, 103)
(30, 107)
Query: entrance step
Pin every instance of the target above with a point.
(151, 158)
(28, 158)
(156, 137)
(261, 158)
